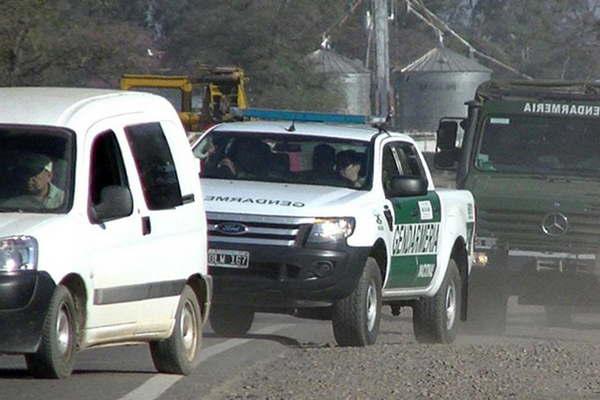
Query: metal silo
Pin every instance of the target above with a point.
(434, 86)
(348, 75)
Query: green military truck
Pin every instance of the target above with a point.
(530, 154)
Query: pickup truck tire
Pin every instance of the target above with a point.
(176, 354)
(435, 319)
(355, 319)
(56, 355)
(559, 316)
(230, 321)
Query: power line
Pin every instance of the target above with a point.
(440, 26)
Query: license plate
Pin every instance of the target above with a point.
(228, 258)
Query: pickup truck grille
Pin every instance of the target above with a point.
(522, 230)
(257, 229)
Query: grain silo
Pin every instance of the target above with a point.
(434, 86)
(348, 75)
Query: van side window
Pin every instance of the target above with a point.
(390, 169)
(107, 167)
(155, 166)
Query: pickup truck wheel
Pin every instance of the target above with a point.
(230, 321)
(435, 318)
(559, 316)
(356, 318)
(176, 354)
(56, 355)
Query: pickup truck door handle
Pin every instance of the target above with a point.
(146, 226)
(415, 212)
(188, 198)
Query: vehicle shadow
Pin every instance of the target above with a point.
(14, 374)
(283, 340)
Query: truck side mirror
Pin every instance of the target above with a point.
(407, 186)
(447, 154)
(446, 135)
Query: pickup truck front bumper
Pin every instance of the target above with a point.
(288, 277)
(24, 300)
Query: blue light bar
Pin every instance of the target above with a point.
(301, 116)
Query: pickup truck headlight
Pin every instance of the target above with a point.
(326, 230)
(18, 253)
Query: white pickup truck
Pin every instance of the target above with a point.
(331, 222)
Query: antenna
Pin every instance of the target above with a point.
(292, 127)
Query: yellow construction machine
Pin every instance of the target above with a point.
(203, 99)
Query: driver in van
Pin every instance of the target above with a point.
(38, 189)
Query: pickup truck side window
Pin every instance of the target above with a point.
(155, 166)
(400, 159)
(107, 167)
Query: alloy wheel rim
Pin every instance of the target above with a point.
(450, 305)
(371, 307)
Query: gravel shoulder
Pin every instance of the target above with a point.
(530, 362)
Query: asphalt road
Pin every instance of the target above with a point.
(126, 373)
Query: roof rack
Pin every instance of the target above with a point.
(300, 116)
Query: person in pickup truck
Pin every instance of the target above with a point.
(348, 168)
(38, 191)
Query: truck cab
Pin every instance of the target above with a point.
(530, 157)
(330, 222)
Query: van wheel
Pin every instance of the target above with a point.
(176, 354)
(435, 318)
(56, 355)
(230, 321)
(355, 319)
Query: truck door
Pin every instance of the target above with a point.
(416, 221)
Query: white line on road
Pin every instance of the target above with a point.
(154, 387)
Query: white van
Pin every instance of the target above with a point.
(102, 228)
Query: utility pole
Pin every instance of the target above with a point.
(382, 39)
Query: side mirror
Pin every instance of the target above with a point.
(115, 202)
(446, 135)
(407, 186)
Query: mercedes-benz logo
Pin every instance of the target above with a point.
(555, 224)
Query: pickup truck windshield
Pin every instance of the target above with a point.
(35, 165)
(540, 145)
(290, 158)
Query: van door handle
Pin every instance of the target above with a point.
(188, 198)
(146, 226)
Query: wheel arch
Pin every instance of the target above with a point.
(379, 253)
(202, 289)
(76, 286)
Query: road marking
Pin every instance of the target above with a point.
(154, 387)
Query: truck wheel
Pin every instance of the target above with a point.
(230, 321)
(435, 318)
(176, 354)
(56, 355)
(355, 319)
(559, 315)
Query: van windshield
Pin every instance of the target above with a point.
(36, 169)
(540, 145)
(280, 158)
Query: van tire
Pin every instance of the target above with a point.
(56, 354)
(356, 318)
(176, 354)
(435, 319)
(229, 320)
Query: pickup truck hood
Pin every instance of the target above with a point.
(22, 224)
(267, 198)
